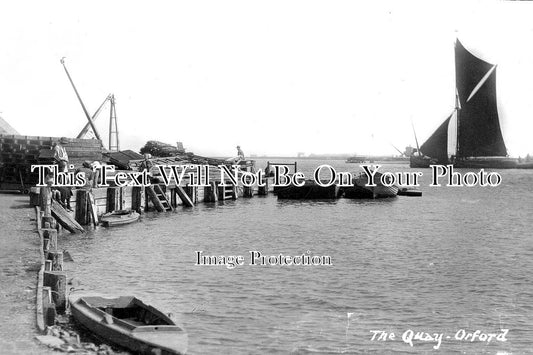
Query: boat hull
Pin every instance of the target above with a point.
(118, 218)
(309, 191)
(164, 338)
(491, 162)
(421, 161)
(360, 190)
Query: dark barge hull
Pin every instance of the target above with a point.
(310, 191)
(491, 163)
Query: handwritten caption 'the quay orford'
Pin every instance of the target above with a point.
(413, 337)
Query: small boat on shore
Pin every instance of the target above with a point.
(120, 217)
(128, 322)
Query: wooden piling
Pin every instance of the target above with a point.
(57, 281)
(51, 236)
(114, 201)
(45, 197)
(248, 191)
(136, 198)
(173, 199)
(210, 192)
(82, 206)
(34, 196)
(263, 190)
(221, 192)
(49, 308)
(192, 192)
(48, 222)
(57, 260)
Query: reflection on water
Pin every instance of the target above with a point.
(456, 258)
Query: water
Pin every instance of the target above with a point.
(456, 258)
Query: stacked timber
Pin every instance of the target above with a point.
(122, 159)
(19, 153)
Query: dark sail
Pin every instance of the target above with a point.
(437, 145)
(479, 132)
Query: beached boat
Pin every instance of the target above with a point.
(117, 218)
(360, 190)
(128, 322)
(471, 136)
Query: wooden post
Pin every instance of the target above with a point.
(263, 190)
(234, 192)
(248, 191)
(207, 193)
(34, 196)
(45, 196)
(210, 192)
(147, 197)
(49, 309)
(57, 281)
(113, 199)
(45, 201)
(46, 245)
(192, 192)
(221, 192)
(51, 236)
(173, 199)
(50, 313)
(57, 260)
(82, 204)
(48, 222)
(136, 198)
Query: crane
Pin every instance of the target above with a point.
(113, 126)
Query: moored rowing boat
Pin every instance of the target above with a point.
(120, 217)
(128, 322)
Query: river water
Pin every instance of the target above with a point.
(455, 261)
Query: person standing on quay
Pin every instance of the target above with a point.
(240, 153)
(60, 155)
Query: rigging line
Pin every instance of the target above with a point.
(416, 139)
(481, 82)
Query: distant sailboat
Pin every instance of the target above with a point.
(472, 130)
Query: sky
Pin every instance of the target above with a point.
(275, 77)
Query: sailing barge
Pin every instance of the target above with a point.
(471, 135)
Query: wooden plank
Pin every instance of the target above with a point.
(184, 197)
(93, 209)
(155, 200)
(65, 219)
